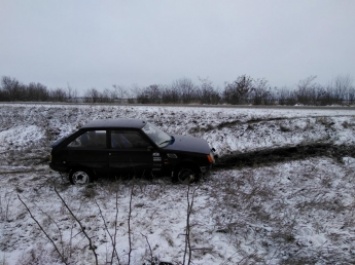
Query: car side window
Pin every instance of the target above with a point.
(90, 139)
(128, 140)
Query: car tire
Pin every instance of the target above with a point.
(79, 177)
(186, 175)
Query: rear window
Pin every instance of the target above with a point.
(90, 139)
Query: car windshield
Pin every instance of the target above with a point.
(159, 137)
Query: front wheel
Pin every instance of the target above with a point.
(79, 177)
(186, 175)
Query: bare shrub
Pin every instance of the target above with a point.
(5, 201)
(285, 96)
(92, 246)
(63, 258)
(113, 237)
(36, 256)
(190, 196)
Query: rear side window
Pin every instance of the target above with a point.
(90, 139)
(128, 140)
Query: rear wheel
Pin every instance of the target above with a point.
(186, 175)
(79, 177)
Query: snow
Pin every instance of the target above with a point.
(298, 211)
(21, 135)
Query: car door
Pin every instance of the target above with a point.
(130, 151)
(89, 151)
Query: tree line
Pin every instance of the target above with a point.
(13, 90)
(244, 90)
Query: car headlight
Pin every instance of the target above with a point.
(210, 158)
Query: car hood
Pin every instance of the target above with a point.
(189, 144)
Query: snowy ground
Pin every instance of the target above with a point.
(263, 211)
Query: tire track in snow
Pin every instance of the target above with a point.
(284, 154)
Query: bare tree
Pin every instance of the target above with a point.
(208, 95)
(72, 94)
(343, 89)
(121, 93)
(92, 95)
(307, 91)
(13, 89)
(107, 95)
(170, 95)
(151, 94)
(58, 95)
(185, 89)
(239, 91)
(37, 92)
(261, 95)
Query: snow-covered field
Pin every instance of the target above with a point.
(298, 211)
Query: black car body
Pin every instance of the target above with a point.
(115, 146)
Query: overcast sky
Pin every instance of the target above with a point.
(87, 43)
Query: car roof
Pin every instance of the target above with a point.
(115, 123)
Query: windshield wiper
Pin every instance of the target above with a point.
(170, 141)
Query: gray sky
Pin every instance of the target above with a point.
(87, 43)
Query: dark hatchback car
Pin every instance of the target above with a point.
(119, 146)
